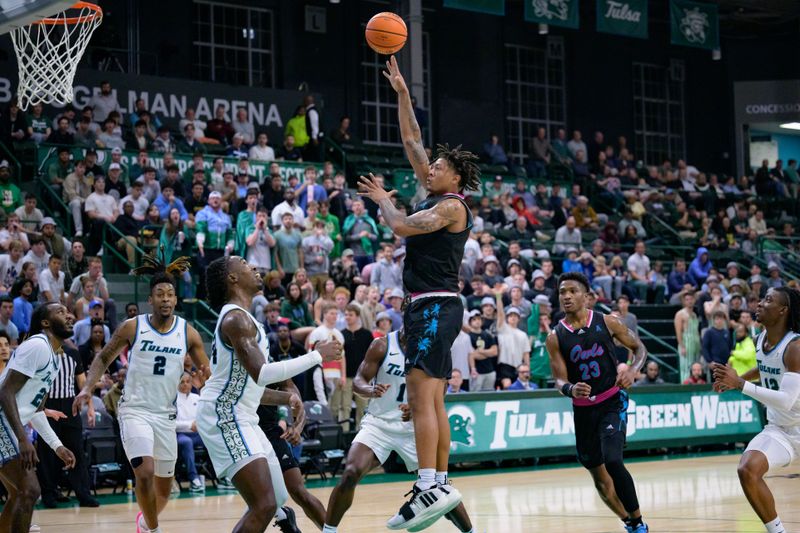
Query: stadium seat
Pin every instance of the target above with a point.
(323, 441)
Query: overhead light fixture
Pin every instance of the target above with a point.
(335, 1)
(544, 29)
(791, 126)
(716, 54)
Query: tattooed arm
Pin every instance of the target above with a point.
(409, 128)
(449, 213)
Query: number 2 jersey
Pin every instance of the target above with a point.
(155, 366)
(589, 353)
(386, 409)
(771, 369)
(36, 359)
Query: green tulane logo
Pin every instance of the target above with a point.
(461, 419)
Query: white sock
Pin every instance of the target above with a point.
(328, 529)
(427, 478)
(775, 526)
(441, 478)
(280, 514)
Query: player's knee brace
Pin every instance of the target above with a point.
(164, 468)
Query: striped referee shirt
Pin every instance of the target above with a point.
(64, 384)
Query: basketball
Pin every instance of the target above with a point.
(386, 33)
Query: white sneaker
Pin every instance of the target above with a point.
(79, 233)
(454, 498)
(425, 506)
(35, 529)
(175, 488)
(196, 486)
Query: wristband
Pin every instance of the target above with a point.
(566, 389)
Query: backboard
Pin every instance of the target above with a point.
(16, 13)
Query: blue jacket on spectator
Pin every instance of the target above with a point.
(700, 265)
(571, 266)
(677, 280)
(165, 207)
(518, 385)
(717, 345)
(23, 311)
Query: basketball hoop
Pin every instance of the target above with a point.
(48, 53)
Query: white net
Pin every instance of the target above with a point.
(48, 53)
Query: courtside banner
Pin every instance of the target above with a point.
(694, 24)
(509, 424)
(490, 7)
(555, 12)
(260, 169)
(622, 17)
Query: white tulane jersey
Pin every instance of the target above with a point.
(34, 358)
(772, 369)
(235, 394)
(392, 373)
(155, 365)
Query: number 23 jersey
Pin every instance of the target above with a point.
(155, 365)
(34, 358)
(589, 353)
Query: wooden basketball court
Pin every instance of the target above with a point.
(698, 495)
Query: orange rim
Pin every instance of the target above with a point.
(97, 12)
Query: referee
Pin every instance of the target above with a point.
(70, 430)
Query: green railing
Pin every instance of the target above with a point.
(643, 333)
(333, 146)
(661, 223)
(56, 199)
(13, 161)
(201, 305)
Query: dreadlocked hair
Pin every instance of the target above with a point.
(153, 266)
(793, 303)
(216, 283)
(463, 163)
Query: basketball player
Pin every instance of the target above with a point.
(385, 428)
(280, 440)
(778, 357)
(435, 236)
(147, 412)
(226, 416)
(584, 365)
(23, 390)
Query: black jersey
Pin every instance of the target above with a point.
(433, 259)
(589, 353)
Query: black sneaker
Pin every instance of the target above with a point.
(288, 524)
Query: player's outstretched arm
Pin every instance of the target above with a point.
(784, 398)
(238, 330)
(409, 127)
(123, 336)
(368, 369)
(11, 385)
(559, 370)
(444, 214)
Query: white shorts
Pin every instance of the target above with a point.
(781, 445)
(9, 445)
(233, 446)
(383, 438)
(144, 434)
